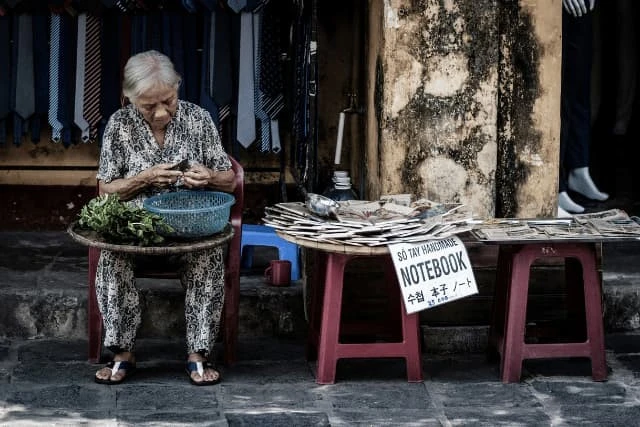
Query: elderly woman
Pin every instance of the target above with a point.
(141, 143)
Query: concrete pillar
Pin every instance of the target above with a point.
(464, 102)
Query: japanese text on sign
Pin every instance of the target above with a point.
(432, 273)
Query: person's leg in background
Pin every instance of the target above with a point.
(575, 135)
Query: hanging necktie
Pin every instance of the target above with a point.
(109, 93)
(66, 72)
(271, 82)
(206, 72)
(92, 79)
(22, 99)
(246, 130)
(265, 125)
(78, 117)
(40, 26)
(191, 64)
(137, 34)
(177, 49)
(54, 58)
(190, 6)
(126, 5)
(221, 82)
(237, 5)
(5, 75)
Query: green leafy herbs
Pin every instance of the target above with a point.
(122, 223)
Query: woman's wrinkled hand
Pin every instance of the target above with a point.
(198, 176)
(161, 175)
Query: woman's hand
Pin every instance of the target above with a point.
(161, 175)
(198, 176)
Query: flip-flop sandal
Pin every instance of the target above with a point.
(200, 367)
(115, 366)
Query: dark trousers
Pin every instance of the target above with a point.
(575, 107)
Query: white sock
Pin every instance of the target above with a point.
(565, 203)
(580, 181)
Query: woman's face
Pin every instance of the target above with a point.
(157, 106)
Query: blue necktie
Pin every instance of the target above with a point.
(246, 126)
(54, 62)
(237, 5)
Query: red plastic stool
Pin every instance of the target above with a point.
(328, 309)
(510, 307)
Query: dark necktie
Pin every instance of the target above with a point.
(40, 26)
(5, 75)
(206, 71)
(221, 79)
(66, 72)
(110, 70)
(23, 98)
(271, 82)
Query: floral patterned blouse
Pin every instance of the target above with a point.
(128, 145)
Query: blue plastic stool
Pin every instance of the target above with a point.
(263, 235)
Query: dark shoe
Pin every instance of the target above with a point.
(115, 366)
(200, 367)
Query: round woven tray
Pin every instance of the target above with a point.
(168, 247)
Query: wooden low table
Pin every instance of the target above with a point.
(324, 328)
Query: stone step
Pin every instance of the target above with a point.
(43, 294)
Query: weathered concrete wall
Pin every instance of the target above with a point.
(529, 108)
(465, 97)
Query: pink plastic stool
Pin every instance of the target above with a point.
(510, 307)
(327, 341)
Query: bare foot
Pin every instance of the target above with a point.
(106, 373)
(209, 374)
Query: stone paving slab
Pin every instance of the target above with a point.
(48, 382)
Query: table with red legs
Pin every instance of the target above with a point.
(326, 310)
(584, 327)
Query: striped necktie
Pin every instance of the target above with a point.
(78, 117)
(265, 125)
(54, 58)
(92, 78)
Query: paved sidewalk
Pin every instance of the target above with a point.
(49, 382)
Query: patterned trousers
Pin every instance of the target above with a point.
(202, 276)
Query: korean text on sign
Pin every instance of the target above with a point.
(432, 273)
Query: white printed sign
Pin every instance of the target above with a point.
(433, 272)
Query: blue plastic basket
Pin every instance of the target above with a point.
(192, 214)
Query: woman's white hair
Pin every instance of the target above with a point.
(147, 70)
